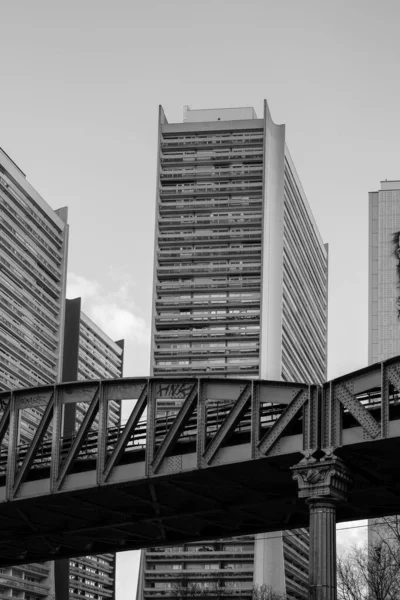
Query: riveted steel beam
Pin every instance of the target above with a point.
(384, 402)
(56, 438)
(78, 441)
(255, 419)
(201, 423)
(151, 424)
(43, 425)
(228, 425)
(12, 447)
(393, 375)
(101, 435)
(126, 434)
(272, 436)
(176, 428)
(359, 412)
(312, 415)
(5, 419)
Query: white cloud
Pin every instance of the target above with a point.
(77, 285)
(114, 311)
(119, 322)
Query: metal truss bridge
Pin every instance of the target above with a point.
(219, 464)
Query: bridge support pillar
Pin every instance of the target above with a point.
(323, 484)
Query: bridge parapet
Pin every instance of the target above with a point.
(173, 425)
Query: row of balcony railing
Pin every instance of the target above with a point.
(225, 302)
(210, 352)
(94, 589)
(226, 234)
(180, 206)
(226, 187)
(200, 574)
(227, 220)
(172, 255)
(194, 370)
(232, 284)
(211, 173)
(209, 269)
(227, 593)
(212, 140)
(189, 553)
(252, 332)
(211, 156)
(19, 583)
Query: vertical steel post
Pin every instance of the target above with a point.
(322, 557)
(323, 483)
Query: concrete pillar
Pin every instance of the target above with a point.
(322, 573)
(323, 483)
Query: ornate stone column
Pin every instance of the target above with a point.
(323, 484)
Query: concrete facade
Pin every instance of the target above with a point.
(384, 295)
(240, 290)
(33, 259)
(384, 270)
(89, 353)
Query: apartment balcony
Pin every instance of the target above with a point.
(243, 594)
(247, 155)
(182, 206)
(207, 370)
(296, 579)
(198, 303)
(103, 579)
(92, 589)
(35, 568)
(213, 319)
(162, 555)
(232, 219)
(8, 188)
(211, 142)
(247, 284)
(17, 583)
(217, 234)
(227, 187)
(247, 251)
(194, 574)
(209, 353)
(299, 559)
(202, 335)
(213, 173)
(210, 269)
(94, 564)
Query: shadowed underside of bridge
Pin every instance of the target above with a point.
(218, 465)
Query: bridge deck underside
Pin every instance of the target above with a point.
(248, 497)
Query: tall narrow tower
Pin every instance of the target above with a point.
(240, 290)
(89, 353)
(384, 272)
(384, 292)
(33, 258)
(240, 274)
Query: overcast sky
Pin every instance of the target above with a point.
(80, 85)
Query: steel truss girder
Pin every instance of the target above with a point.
(321, 423)
(228, 425)
(176, 428)
(271, 437)
(364, 418)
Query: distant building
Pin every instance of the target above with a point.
(384, 272)
(33, 258)
(240, 290)
(384, 293)
(88, 354)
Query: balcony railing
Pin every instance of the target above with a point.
(223, 187)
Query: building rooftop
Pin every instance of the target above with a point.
(390, 185)
(218, 114)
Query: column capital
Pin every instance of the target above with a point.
(326, 479)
